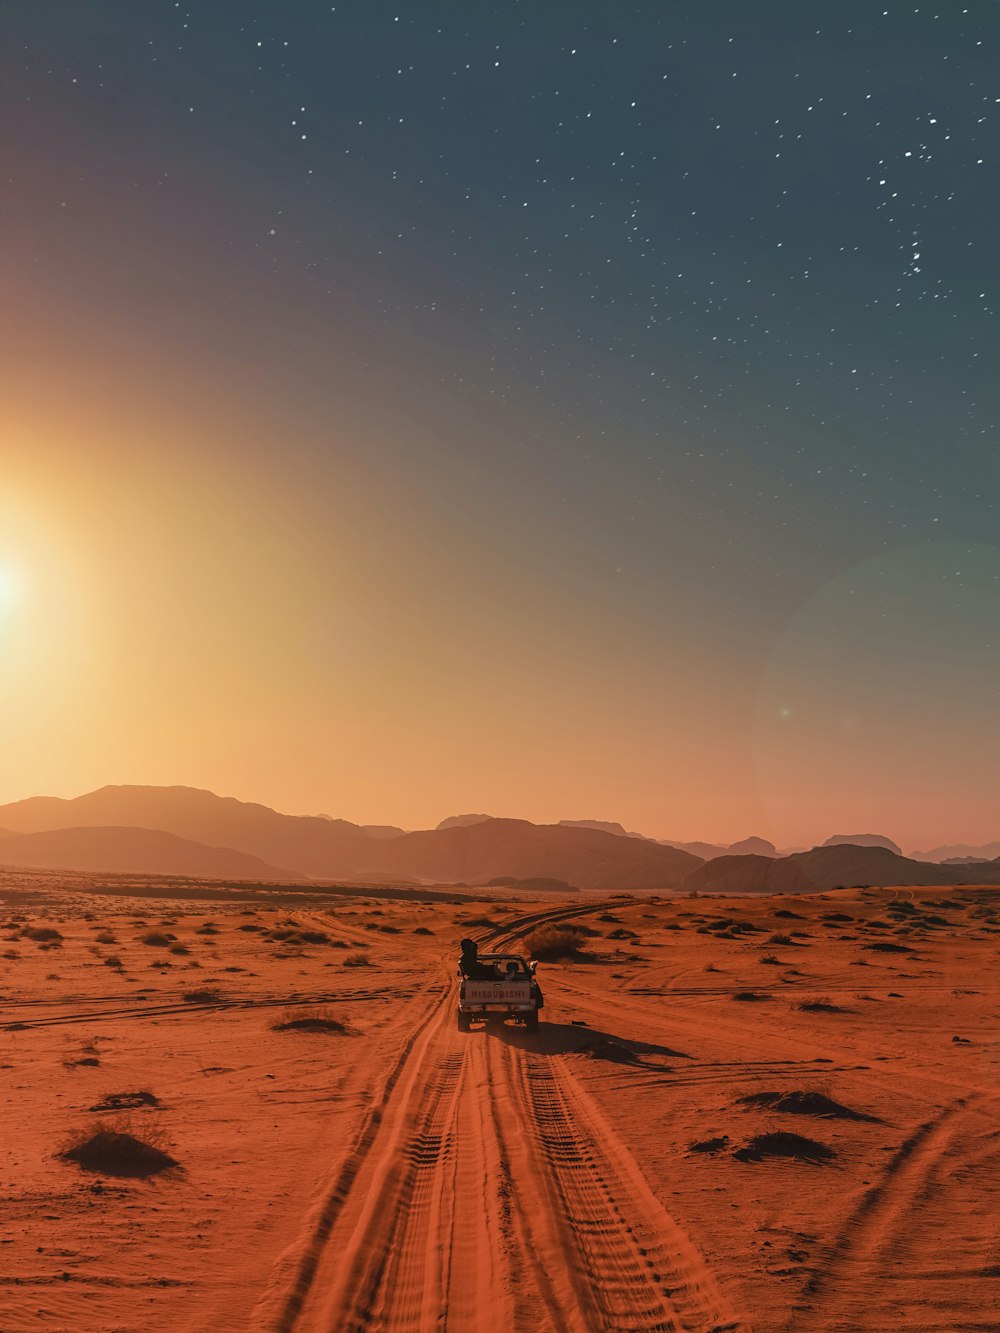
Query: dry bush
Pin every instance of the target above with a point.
(157, 939)
(206, 995)
(179, 948)
(112, 960)
(357, 960)
(105, 937)
(126, 1101)
(118, 1147)
(551, 942)
(309, 1020)
(823, 1005)
(42, 934)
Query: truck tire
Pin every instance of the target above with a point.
(531, 1021)
(464, 1021)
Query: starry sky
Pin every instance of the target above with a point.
(558, 410)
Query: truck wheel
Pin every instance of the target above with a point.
(464, 1021)
(531, 1021)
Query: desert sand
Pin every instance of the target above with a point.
(774, 1113)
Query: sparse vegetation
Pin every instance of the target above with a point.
(822, 1005)
(550, 942)
(126, 1101)
(803, 1103)
(42, 934)
(309, 1020)
(357, 960)
(783, 1144)
(158, 939)
(115, 1148)
(206, 995)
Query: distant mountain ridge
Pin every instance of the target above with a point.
(989, 851)
(840, 865)
(323, 848)
(471, 849)
(863, 840)
(134, 851)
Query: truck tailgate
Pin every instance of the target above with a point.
(496, 992)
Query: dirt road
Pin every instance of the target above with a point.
(485, 1190)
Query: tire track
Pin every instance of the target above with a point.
(485, 1192)
(846, 1272)
(282, 1303)
(635, 1269)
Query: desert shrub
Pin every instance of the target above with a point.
(126, 1101)
(157, 939)
(179, 948)
(309, 1020)
(422, 930)
(41, 934)
(117, 1148)
(357, 960)
(105, 937)
(112, 960)
(206, 995)
(207, 929)
(551, 942)
(783, 1144)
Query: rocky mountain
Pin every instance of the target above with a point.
(863, 840)
(842, 865)
(752, 847)
(463, 821)
(469, 852)
(307, 844)
(989, 851)
(602, 825)
(588, 858)
(135, 851)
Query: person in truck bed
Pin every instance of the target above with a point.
(470, 966)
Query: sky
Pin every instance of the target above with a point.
(558, 411)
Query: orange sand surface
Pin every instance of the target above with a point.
(757, 1114)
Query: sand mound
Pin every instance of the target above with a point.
(783, 1144)
(125, 1101)
(803, 1103)
(114, 1153)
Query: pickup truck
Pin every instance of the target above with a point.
(506, 988)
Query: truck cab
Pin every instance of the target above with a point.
(504, 987)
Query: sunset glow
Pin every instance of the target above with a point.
(330, 520)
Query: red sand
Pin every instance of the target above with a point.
(406, 1176)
